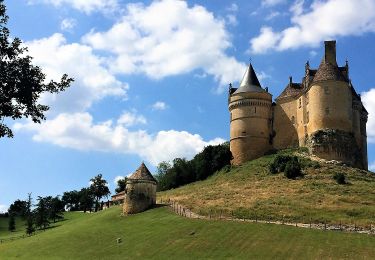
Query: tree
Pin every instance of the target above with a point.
(99, 189)
(29, 216)
(121, 183)
(70, 200)
(41, 213)
(21, 83)
(55, 208)
(86, 199)
(18, 208)
(11, 223)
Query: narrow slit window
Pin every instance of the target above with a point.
(255, 110)
(307, 117)
(300, 103)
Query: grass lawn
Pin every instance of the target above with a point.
(250, 190)
(20, 228)
(160, 234)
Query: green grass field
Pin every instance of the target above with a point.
(251, 191)
(160, 234)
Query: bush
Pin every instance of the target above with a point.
(279, 163)
(293, 168)
(340, 178)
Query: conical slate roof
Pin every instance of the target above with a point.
(142, 173)
(328, 71)
(250, 82)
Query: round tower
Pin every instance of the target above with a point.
(140, 191)
(330, 96)
(250, 119)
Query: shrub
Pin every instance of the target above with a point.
(279, 163)
(293, 168)
(339, 177)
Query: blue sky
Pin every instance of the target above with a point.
(151, 78)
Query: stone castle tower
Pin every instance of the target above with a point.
(140, 191)
(323, 113)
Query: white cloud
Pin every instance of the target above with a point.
(272, 15)
(265, 41)
(313, 53)
(269, 3)
(232, 8)
(128, 119)
(231, 19)
(323, 20)
(371, 167)
(117, 178)
(68, 24)
(368, 99)
(78, 131)
(86, 6)
(3, 208)
(159, 105)
(93, 81)
(187, 39)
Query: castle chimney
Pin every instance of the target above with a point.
(330, 52)
(290, 80)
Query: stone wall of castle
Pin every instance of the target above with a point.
(285, 125)
(139, 196)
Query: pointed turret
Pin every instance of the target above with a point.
(142, 173)
(250, 82)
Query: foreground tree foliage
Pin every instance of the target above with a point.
(29, 216)
(18, 208)
(121, 183)
(99, 189)
(21, 83)
(203, 165)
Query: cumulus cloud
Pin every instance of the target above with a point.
(3, 208)
(269, 3)
(187, 39)
(93, 81)
(368, 99)
(79, 131)
(86, 6)
(131, 118)
(68, 24)
(159, 105)
(323, 20)
(117, 178)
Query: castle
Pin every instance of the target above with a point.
(323, 113)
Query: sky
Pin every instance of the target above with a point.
(151, 78)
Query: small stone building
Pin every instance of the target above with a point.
(118, 198)
(323, 113)
(140, 191)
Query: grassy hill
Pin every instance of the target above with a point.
(160, 234)
(251, 191)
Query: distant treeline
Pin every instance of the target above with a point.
(203, 165)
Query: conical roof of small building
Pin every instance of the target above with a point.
(142, 173)
(328, 71)
(250, 82)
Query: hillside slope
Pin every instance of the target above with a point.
(251, 191)
(160, 234)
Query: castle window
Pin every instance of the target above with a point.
(307, 98)
(293, 119)
(326, 90)
(300, 102)
(307, 117)
(255, 110)
(327, 111)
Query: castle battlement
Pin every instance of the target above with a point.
(323, 113)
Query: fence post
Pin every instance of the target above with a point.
(325, 225)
